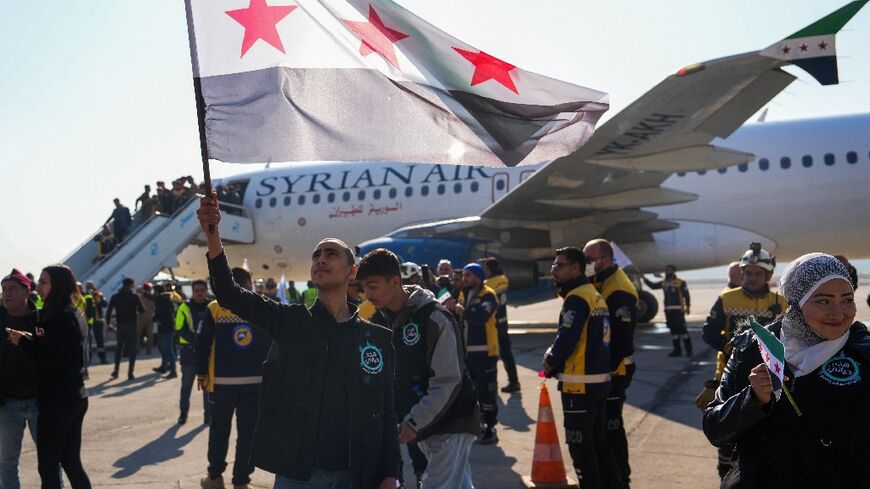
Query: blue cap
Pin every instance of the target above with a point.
(476, 269)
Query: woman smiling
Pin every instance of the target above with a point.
(827, 360)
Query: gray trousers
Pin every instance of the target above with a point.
(448, 461)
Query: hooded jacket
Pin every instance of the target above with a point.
(434, 392)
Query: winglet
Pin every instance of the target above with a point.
(813, 48)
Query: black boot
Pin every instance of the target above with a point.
(677, 351)
(687, 342)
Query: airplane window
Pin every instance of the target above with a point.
(409, 191)
(315, 198)
(475, 186)
(499, 185)
(361, 195)
(702, 172)
(273, 202)
(441, 189)
(330, 198)
(763, 164)
(743, 167)
(681, 173)
(424, 190)
(829, 159)
(457, 187)
(785, 162)
(722, 170)
(807, 160)
(393, 193)
(301, 200)
(345, 196)
(376, 194)
(852, 157)
(258, 203)
(287, 200)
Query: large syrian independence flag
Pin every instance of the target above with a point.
(352, 80)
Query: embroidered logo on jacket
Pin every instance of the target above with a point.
(840, 370)
(371, 359)
(410, 334)
(243, 336)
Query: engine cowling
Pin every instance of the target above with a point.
(460, 251)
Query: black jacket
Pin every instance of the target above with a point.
(57, 352)
(127, 306)
(828, 446)
(294, 381)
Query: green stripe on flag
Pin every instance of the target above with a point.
(771, 342)
(832, 23)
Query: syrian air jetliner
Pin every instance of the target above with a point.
(673, 179)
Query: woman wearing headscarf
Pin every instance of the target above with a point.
(56, 348)
(827, 365)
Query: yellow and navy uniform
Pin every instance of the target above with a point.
(189, 319)
(499, 284)
(621, 298)
(581, 351)
(230, 352)
(480, 320)
(675, 291)
(366, 310)
(732, 307)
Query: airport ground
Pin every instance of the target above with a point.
(131, 439)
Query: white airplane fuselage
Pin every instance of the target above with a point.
(793, 206)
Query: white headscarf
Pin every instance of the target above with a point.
(806, 350)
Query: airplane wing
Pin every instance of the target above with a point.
(603, 189)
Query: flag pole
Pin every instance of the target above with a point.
(200, 103)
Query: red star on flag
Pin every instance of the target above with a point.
(803, 48)
(487, 67)
(777, 368)
(785, 49)
(766, 357)
(376, 37)
(259, 21)
(823, 45)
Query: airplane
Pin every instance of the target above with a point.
(675, 178)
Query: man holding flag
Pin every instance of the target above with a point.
(817, 356)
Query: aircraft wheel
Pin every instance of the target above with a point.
(647, 307)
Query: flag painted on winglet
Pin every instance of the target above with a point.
(773, 354)
(813, 48)
(353, 80)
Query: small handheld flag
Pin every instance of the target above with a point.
(773, 355)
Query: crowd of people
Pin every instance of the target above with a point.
(374, 354)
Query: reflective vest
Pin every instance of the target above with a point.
(85, 298)
(589, 363)
(737, 306)
(481, 337)
(499, 284)
(184, 319)
(309, 296)
(618, 281)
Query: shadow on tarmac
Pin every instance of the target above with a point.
(165, 447)
(127, 386)
(515, 416)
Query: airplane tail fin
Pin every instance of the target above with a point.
(813, 48)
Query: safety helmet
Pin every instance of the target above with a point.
(409, 269)
(759, 257)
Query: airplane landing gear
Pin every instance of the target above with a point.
(647, 307)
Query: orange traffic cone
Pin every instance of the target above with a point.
(548, 470)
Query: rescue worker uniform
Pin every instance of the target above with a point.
(434, 391)
(229, 357)
(327, 394)
(621, 297)
(94, 314)
(731, 308)
(676, 305)
(499, 284)
(189, 320)
(482, 347)
(581, 359)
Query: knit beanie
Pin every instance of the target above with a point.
(476, 269)
(20, 278)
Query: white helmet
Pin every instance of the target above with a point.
(409, 269)
(759, 257)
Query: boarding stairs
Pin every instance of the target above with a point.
(152, 245)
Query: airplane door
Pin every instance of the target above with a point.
(500, 185)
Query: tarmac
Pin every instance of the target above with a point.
(131, 438)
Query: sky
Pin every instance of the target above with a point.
(96, 97)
